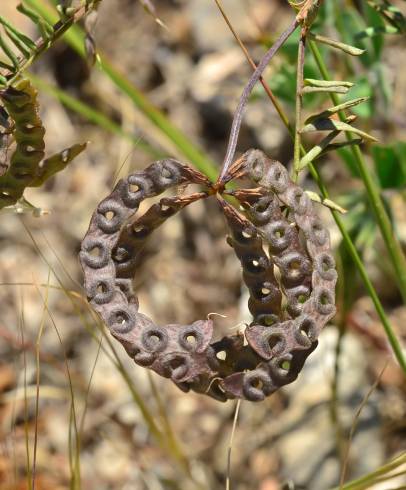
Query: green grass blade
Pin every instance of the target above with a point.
(392, 243)
(94, 116)
(75, 38)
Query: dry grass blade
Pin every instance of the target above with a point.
(38, 380)
(355, 422)
(230, 445)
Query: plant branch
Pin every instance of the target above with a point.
(43, 43)
(391, 241)
(236, 125)
(393, 340)
(299, 102)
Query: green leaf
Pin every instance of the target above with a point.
(341, 144)
(333, 89)
(46, 30)
(21, 36)
(352, 50)
(311, 82)
(390, 165)
(316, 150)
(331, 125)
(17, 42)
(333, 110)
(50, 166)
(8, 52)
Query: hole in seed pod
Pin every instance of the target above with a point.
(109, 215)
(5, 194)
(257, 383)
(29, 126)
(279, 233)
(297, 196)
(285, 365)
(325, 266)
(268, 320)
(305, 329)
(294, 268)
(95, 252)
(154, 340)
(166, 173)
(191, 339)
(294, 265)
(178, 366)
(302, 298)
(246, 234)
(274, 341)
(120, 318)
(164, 207)
(101, 288)
(222, 355)
(261, 208)
(326, 263)
(29, 148)
(265, 291)
(324, 298)
(318, 233)
(133, 187)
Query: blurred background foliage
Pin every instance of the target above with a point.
(74, 411)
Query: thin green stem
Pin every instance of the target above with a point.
(392, 243)
(368, 480)
(394, 342)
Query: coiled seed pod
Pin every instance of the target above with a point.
(298, 271)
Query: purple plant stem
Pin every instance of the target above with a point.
(237, 120)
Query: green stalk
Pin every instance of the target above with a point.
(75, 38)
(392, 244)
(394, 342)
(368, 480)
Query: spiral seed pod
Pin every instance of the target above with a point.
(299, 268)
(108, 256)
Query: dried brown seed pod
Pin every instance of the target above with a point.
(299, 267)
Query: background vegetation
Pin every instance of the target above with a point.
(75, 412)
